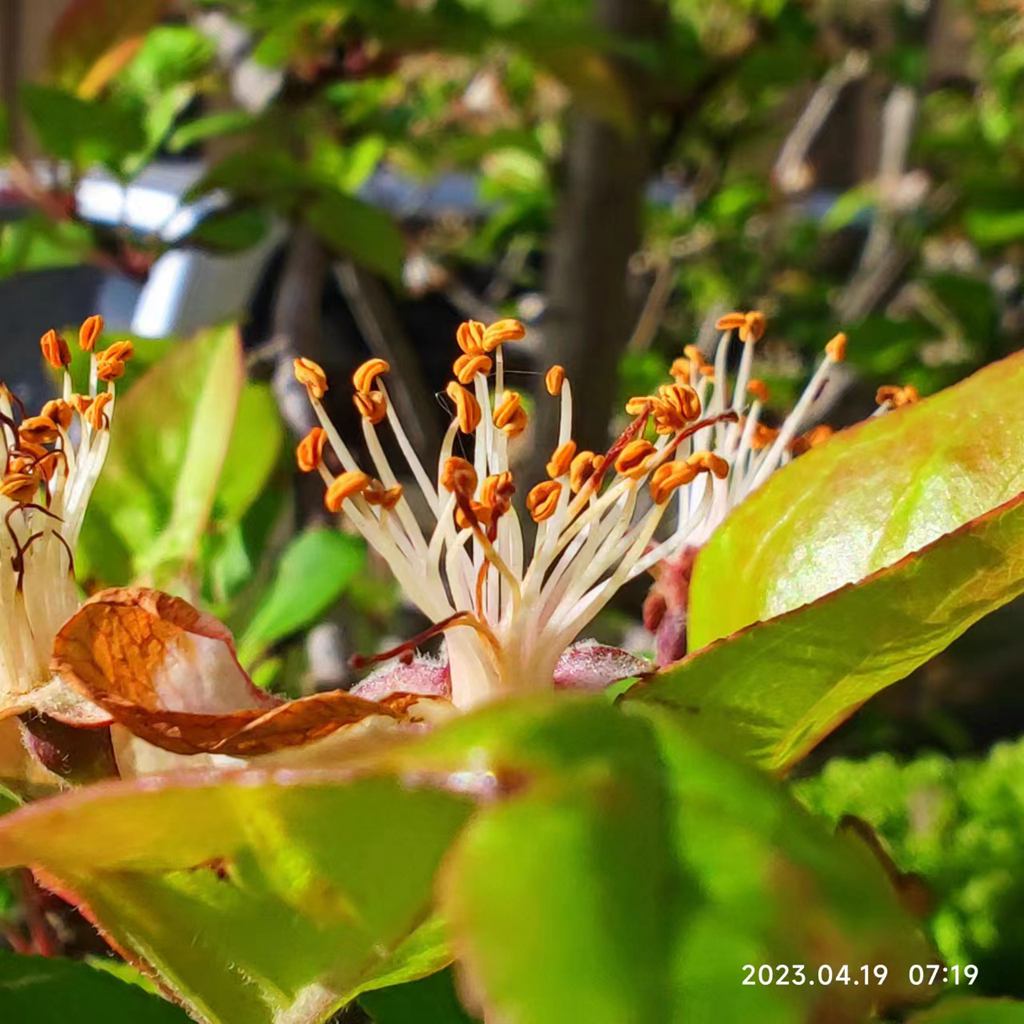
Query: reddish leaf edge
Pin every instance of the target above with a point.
(644, 687)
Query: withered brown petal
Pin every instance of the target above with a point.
(169, 674)
(248, 732)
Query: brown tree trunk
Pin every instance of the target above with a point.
(298, 331)
(605, 171)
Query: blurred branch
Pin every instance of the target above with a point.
(899, 115)
(298, 330)
(790, 171)
(382, 330)
(654, 308)
(597, 230)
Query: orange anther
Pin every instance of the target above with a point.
(554, 379)
(467, 408)
(371, 405)
(384, 497)
(121, 351)
(501, 331)
(542, 500)
(680, 369)
(19, 487)
(758, 389)
(561, 459)
(470, 337)
(894, 396)
(81, 403)
(496, 492)
(669, 476)
(677, 405)
(509, 414)
(459, 477)
(475, 513)
(836, 348)
(348, 485)
(583, 467)
(730, 321)
(763, 437)
(59, 411)
(89, 332)
(632, 460)
(639, 405)
(467, 366)
(110, 369)
(717, 466)
(38, 430)
(55, 349)
(811, 439)
(312, 376)
(695, 355)
(310, 452)
(96, 415)
(751, 325)
(366, 376)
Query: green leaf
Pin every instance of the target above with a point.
(168, 56)
(93, 39)
(614, 864)
(83, 132)
(994, 227)
(148, 352)
(873, 494)
(354, 228)
(259, 897)
(776, 688)
(966, 847)
(170, 436)
(971, 1010)
(35, 242)
(227, 122)
(253, 453)
(851, 205)
(634, 883)
(45, 990)
(313, 573)
(430, 1001)
(421, 955)
(272, 177)
(229, 230)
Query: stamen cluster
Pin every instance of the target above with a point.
(51, 462)
(692, 442)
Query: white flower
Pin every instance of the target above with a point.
(510, 611)
(51, 463)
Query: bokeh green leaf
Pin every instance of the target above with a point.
(313, 572)
(258, 897)
(171, 435)
(47, 990)
(970, 1010)
(871, 495)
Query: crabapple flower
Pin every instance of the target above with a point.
(51, 462)
(510, 610)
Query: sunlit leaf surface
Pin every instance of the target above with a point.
(871, 495)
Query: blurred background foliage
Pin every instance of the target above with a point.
(360, 176)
